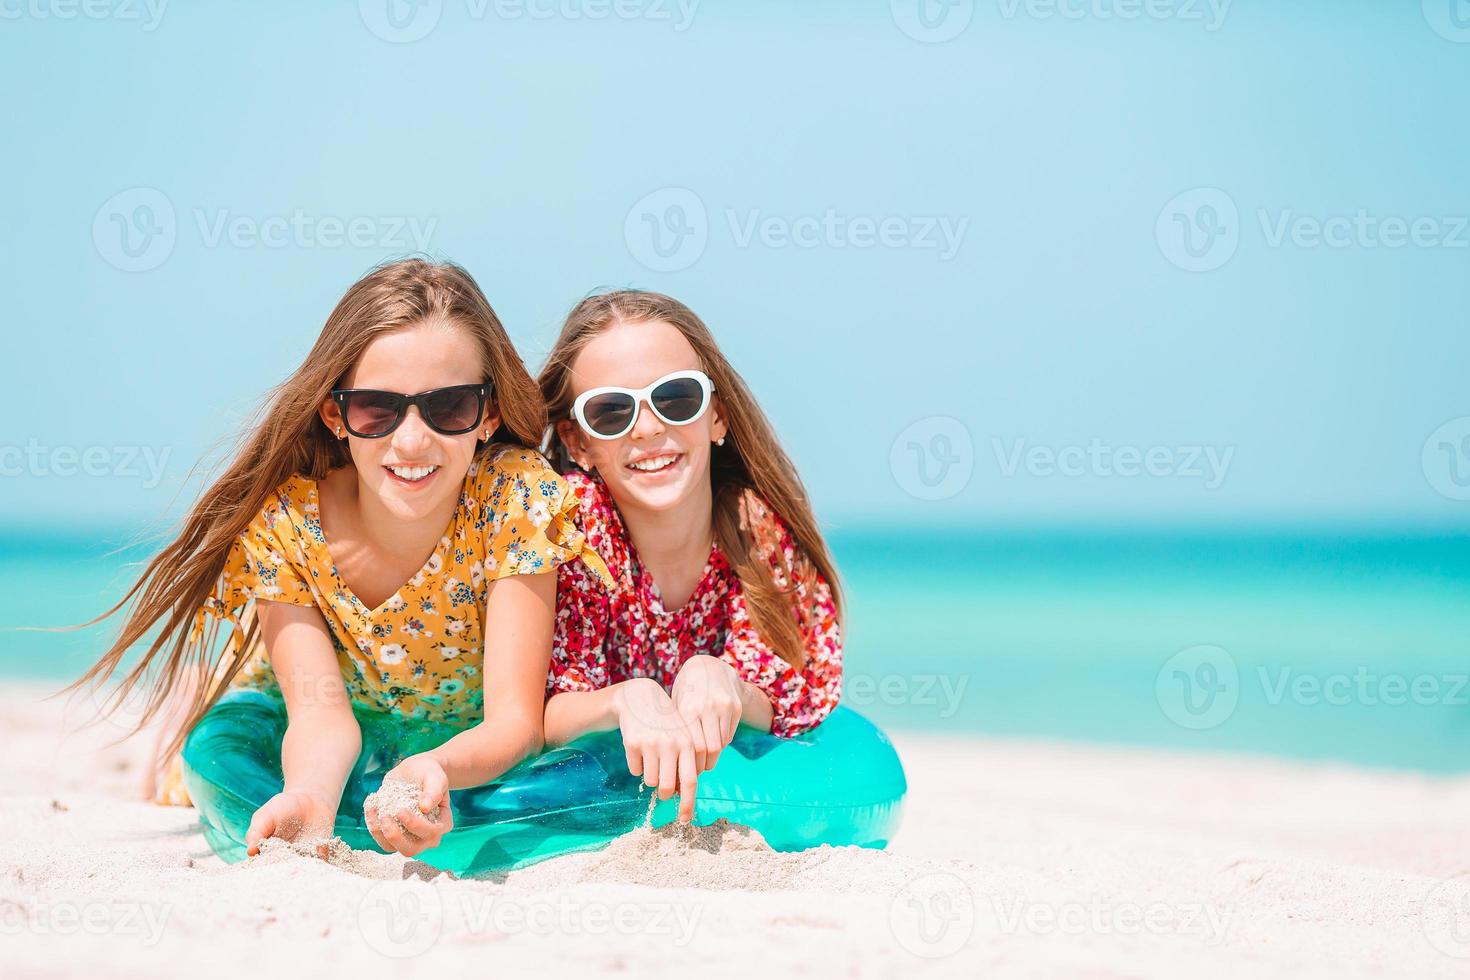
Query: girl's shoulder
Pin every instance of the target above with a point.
(506, 469)
(290, 513)
(525, 513)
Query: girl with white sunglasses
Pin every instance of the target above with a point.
(725, 605)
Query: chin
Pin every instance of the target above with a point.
(652, 498)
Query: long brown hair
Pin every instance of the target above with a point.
(751, 460)
(288, 437)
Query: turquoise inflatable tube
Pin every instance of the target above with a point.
(840, 783)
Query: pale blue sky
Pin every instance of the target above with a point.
(881, 229)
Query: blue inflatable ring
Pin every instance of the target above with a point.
(840, 783)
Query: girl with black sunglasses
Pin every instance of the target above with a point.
(385, 540)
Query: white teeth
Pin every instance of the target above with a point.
(412, 472)
(653, 465)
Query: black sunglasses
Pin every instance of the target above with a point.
(372, 414)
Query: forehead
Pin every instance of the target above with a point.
(421, 357)
(632, 355)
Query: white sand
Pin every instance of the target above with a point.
(1016, 859)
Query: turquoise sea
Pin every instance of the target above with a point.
(1336, 646)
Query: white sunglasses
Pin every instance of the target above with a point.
(611, 412)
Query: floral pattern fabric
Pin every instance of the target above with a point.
(610, 631)
(420, 653)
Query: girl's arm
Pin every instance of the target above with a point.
(322, 739)
(518, 623)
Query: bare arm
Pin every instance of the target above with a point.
(322, 739)
(518, 621)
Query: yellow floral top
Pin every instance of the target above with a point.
(419, 653)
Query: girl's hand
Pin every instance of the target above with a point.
(658, 741)
(412, 829)
(290, 816)
(707, 696)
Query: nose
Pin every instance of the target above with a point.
(412, 436)
(649, 425)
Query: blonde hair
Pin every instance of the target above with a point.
(287, 438)
(751, 461)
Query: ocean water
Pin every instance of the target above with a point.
(1351, 647)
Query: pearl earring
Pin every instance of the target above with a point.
(339, 432)
(720, 441)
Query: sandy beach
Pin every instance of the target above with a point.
(1015, 859)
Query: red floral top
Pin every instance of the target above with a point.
(607, 636)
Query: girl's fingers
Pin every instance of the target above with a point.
(415, 821)
(435, 791)
(395, 838)
(688, 780)
(710, 729)
(650, 766)
(370, 817)
(668, 772)
(696, 740)
(262, 825)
